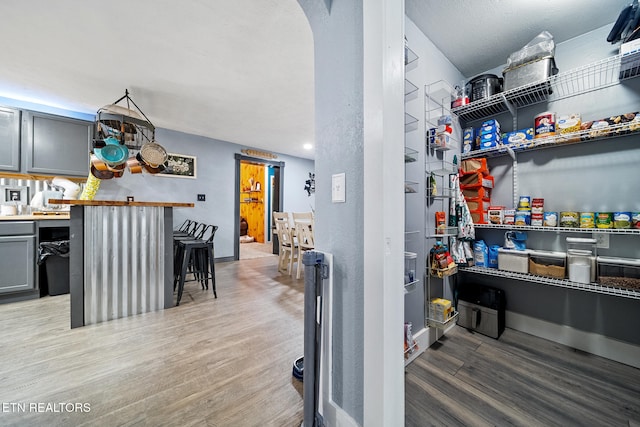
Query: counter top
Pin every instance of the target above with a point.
(118, 203)
(36, 217)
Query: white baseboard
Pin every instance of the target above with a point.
(422, 340)
(597, 344)
(335, 416)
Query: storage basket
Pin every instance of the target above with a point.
(548, 264)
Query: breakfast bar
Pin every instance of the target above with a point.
(121, 258)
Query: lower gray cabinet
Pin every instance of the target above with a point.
(9, 139)
(55, 145)
(17, 257)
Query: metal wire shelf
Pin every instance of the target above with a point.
(409, 87)
(597, 75)
(562, 283)
(446, 325)
(583, 136)
(635, 231)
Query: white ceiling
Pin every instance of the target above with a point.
(479, 35)
(240, 70)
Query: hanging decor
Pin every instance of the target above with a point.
(310, 184)
(125, 139)
(257, 153)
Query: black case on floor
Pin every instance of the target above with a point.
(481, 308)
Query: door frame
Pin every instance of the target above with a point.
(236, 229)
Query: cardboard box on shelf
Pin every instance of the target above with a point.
(477, 192)
(476, 180)
(476, 165)
(440, 309)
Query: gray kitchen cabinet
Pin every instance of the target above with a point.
(55, 145)
(9, 139)
(17, 256)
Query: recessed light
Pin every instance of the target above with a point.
(307, 146)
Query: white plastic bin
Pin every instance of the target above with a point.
(513, 260)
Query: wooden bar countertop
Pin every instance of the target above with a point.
(119, 203)
(38, 216)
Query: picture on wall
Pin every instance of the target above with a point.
(179, 166)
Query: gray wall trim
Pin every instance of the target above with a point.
(168, 257)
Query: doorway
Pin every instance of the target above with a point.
(258, 189)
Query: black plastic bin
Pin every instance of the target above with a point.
(55, 257)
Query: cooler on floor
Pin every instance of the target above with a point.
(481, 309)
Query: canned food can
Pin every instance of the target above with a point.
(622, 220)
(587, 220)
(544, 124)
(524, 203)
(569, 219)
(604, 220)
(635, 219)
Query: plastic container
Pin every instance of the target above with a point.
(513, 260)
(581, 259)
(619, 272)
(548, 263)
(410, 267)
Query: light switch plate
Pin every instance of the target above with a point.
(338, 191)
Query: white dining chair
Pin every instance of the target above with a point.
(305, 241)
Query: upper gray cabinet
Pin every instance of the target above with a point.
(9, 139)
(55, 145)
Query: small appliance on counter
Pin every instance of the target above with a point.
(483, 86)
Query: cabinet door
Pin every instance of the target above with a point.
(17, 263)
(56, 145)
(9, 139)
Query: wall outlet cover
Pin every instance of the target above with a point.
(201, 197)
(602, 240)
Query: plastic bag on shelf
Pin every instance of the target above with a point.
(540, 47)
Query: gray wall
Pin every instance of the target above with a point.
(595, 176)
(339, 107)
(215, 178)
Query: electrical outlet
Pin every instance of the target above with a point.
(602, 240)
(201, 197)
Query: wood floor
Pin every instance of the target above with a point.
(227, 362)
(468, 379)
(208, 362)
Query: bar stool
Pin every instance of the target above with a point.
(199, 254)
(193, 231)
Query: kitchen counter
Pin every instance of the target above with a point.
(36, 217)
(119, 203)
(121, 258)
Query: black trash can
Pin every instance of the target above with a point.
(55, 257)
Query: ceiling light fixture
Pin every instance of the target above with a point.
(307, 146)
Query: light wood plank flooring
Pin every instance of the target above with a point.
(467, 379)
(208, 362)
(227, 362)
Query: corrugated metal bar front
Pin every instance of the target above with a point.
(123, 258)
